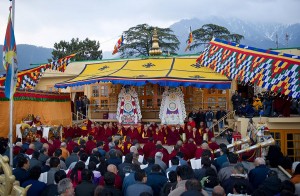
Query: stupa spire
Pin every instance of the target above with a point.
(155, 49)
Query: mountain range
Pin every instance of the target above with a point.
(260, 35)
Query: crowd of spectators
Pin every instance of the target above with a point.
(55, 167)
(265, 104)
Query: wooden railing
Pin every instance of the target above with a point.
(229, 115)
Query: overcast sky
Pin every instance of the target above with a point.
(44, 22)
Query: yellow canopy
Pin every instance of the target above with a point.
(165, 71)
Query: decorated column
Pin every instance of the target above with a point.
(128, 111)
(172, 109)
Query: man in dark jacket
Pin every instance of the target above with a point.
(109, 189)
(272, 183)
(209, 117)
(34, 161)
(239, 175)
(21, 172)
(140, 186)
(51, 189)
(156, 179)
(73, 157)
(258, 175)
(127, 166)
(86, 187)
(236, 100)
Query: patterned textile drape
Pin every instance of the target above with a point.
(271, 70)
(28, 79)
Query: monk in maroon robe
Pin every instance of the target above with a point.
(68, 132)
(77, 130)
(56, 142)
(165, 129)
(160, 148)
(113, 129)
(191, 148)
(100, 133)
(133, 133)
(148, 148)
(191, 122)
(153, 125)
(213, 145)
(120, 130)
(172, 136)
(107, 132)
(179, 129)
(159, 136)
(174, 152)
(197, 137)
(146, 134)
(71, 145)
(126, 145)
(90, 145)
(189, 133)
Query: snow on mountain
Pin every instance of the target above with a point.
(260, 35)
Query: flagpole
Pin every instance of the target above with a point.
(11, 100)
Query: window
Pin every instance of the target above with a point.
(149, 103)
(77, 88)
(104, 104)
(149, 90)
(104, 91)
(95, 91)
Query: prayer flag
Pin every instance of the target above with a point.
(118, 45)
(10, 60)
(190, 40)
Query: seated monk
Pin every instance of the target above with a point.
(191, 122)
(100, 133)
(133, 133)
(93, 131)
(199, 151)
(213, 145)
(107, 132)
(146, 134)
(160, 148)
(153, 125)
(90, 145)
(112, 128)
(126, 145)
(71, 144)
(190, 148)
(172, 136)
(37, 123)
(68, 132)
(159, 136)
(197, 136)
(148, 147)
(120, 130)
(189, 132)
(165, 129)
(179, 129)
(77, 130)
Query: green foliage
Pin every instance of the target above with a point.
(86, 49)
(205, 34)
(137, 41)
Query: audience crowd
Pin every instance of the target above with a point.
(113, 160)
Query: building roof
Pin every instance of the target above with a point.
(165, 71)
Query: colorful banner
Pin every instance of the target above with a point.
(118, 45)
(10, 60)
(36, 96)
(268, 69)
(28, 79)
